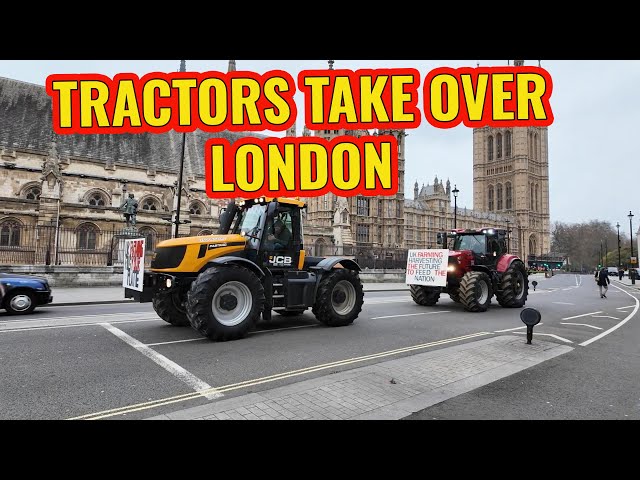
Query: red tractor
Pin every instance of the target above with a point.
(478, 268)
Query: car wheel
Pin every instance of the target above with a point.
(20, 302)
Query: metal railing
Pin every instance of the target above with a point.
(88, 246)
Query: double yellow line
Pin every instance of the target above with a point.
(272, 378)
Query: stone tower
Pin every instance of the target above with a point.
(511, 177)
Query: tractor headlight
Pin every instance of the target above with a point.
(168, 282)
(451, 268)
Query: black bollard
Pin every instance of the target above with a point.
(530, 317)
(535, 284)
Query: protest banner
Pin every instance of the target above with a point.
(427, 267)
(133, 271)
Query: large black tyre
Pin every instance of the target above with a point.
(170, 308)
(475, 291)
(19, 302)
(225, 302)
(455, 295)
(425, 296)
(339, 298)
(514, 286)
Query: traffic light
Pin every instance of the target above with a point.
(599, 266)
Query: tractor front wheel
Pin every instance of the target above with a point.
(225, 302)
(475, 291)
(170, 308)
(425, 296)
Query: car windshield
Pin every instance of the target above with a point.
(470, 242)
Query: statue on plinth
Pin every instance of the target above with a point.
(130, 210)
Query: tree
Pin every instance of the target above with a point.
(580, 242)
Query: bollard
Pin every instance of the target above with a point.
(535, 284)
(530, 317)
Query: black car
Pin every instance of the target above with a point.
(20, 294)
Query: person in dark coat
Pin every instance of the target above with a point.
(620, 273)
(603, 282)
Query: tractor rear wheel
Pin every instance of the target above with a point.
(475, 291)
(225, 302)
(170, 308)
(339, 299)
(425, 296)
(514, 286)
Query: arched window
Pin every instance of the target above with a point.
(10, 233)
(509, 196)
(33, 192)
(150, 204)
(507, 144)
(197, 208)
(499, 146)
(537, 203)
(499, 196)
(490, 198)
(96, 199)
(535, 147)
(86, 236)
(149, 238)
(490, 148)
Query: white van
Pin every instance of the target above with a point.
(613, 271)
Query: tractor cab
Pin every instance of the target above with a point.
(486, 245)
(272, 229)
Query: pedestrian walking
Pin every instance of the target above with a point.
(620, 273)
(603, 282)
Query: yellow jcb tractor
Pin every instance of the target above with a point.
(221, 284)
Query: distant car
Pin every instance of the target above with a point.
(21, 294)
(613, 271)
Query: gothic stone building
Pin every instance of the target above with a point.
(60, 195)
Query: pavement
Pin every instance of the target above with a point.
(389, 390)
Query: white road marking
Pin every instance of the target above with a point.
(628, 306)
(512, 329)
(626, 319)
(583, 315)
(409, 314)
(176, 341)
(172, 367)
(84, 324)
(605, 316)
(582, 325)
(550, 335)
(564, 303)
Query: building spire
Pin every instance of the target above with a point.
(331, 62)
(232, 66)
(183, 66)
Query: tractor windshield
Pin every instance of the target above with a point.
(251, 221)
(470, 242)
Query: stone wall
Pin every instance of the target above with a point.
(71, 276)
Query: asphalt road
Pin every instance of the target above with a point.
(77, 362)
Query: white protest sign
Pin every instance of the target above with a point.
(133, 271)
(427, 267)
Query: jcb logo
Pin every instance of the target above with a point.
(280, 260)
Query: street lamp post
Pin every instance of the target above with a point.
(618, 227)
(631, 230)
(632, 274)
(455, 206)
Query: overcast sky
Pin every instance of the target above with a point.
(593, 142)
